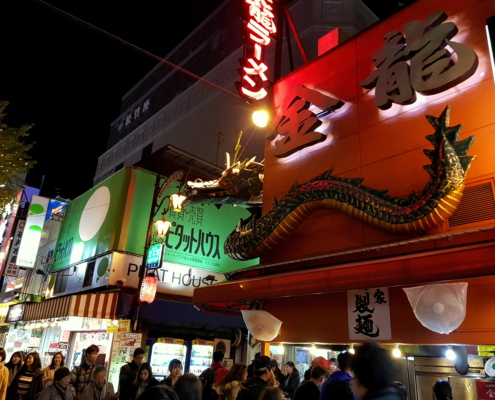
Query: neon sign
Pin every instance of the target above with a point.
(260, 26)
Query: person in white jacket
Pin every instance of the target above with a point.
(59, 388)
(99, 389)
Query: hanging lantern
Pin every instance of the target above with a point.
(148, 289)
(177, 199)
(162, 227)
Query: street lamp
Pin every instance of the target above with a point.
(177, 200)
(162, 227)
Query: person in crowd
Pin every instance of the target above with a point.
(291, 381)
(188, 387)
(49, 372)
(254, 386)
(15, 364)
(144, 380)
(99, 388)
(213, 376)
(251, 366)
(128, 374)
(402, 390)
(442, 390)
(29, 380)
(373, 374)
(311, 389)
(160, 392)
(175, 369)
(271, 393)
(59, 387)
(232, 383)
(338, 387)
(83, 375)
(334, 365)
(4, 375)
(279, 376)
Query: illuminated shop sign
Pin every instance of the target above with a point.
(260, 26)
(155, 256)
(295, 125)
(420, 61)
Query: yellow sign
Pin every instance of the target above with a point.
(124, 326)
(170, 340)
(112, 327)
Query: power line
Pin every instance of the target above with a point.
(137, 48)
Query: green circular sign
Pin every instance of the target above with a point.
(36, 209)
(102, 267)
(35, 228)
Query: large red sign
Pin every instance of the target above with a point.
(260, 26)
(485, 389)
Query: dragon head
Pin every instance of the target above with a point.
(241, 183)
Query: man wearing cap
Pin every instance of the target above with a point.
(254, 386)
(60, 388)
(310, 390)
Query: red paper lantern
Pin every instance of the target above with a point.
(148, 289)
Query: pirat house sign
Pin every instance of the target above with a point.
(424, 60)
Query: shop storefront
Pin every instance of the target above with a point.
(347, 248)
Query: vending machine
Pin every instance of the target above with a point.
(201, 356)
(163, 351)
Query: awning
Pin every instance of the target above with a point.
(101, 305)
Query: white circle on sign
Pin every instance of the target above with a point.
(94, 213)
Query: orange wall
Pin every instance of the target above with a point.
(384, 147)
(323, 318)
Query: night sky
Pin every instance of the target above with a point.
(68, 79)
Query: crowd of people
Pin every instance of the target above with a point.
(367, 375)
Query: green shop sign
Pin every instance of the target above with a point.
(111, 216)
(198, 233)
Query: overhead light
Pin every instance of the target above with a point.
(314, 350)
(162, 227)
(280, 348)
(396, 352)
(177, 199)
(260, 118)
(351, 349)
(450, 354)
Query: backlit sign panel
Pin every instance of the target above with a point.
(155, 255)
(260, 26)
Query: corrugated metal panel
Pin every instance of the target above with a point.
(477, 205)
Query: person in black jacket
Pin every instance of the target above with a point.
(144, 380)
(128, 374)
(254, 386)
(279, 376)
(310, 390)
(292, 380)
(29, 380)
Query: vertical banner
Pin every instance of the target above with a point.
(11, 268)
(368, 314)
(32, 232)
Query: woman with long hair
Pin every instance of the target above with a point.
(232, 383)
(144, 380)
(29, 380)
(175, 369)
(291, 381)
(188, 387)
(15, 364)
(442, 390)
(49, 372)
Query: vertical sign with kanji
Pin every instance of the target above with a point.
(260, 26)
(11, 268)
(368, 314)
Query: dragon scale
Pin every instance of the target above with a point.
(414, 213)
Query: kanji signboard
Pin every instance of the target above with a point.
(260, 26)
(368, 314)
(419, 61)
